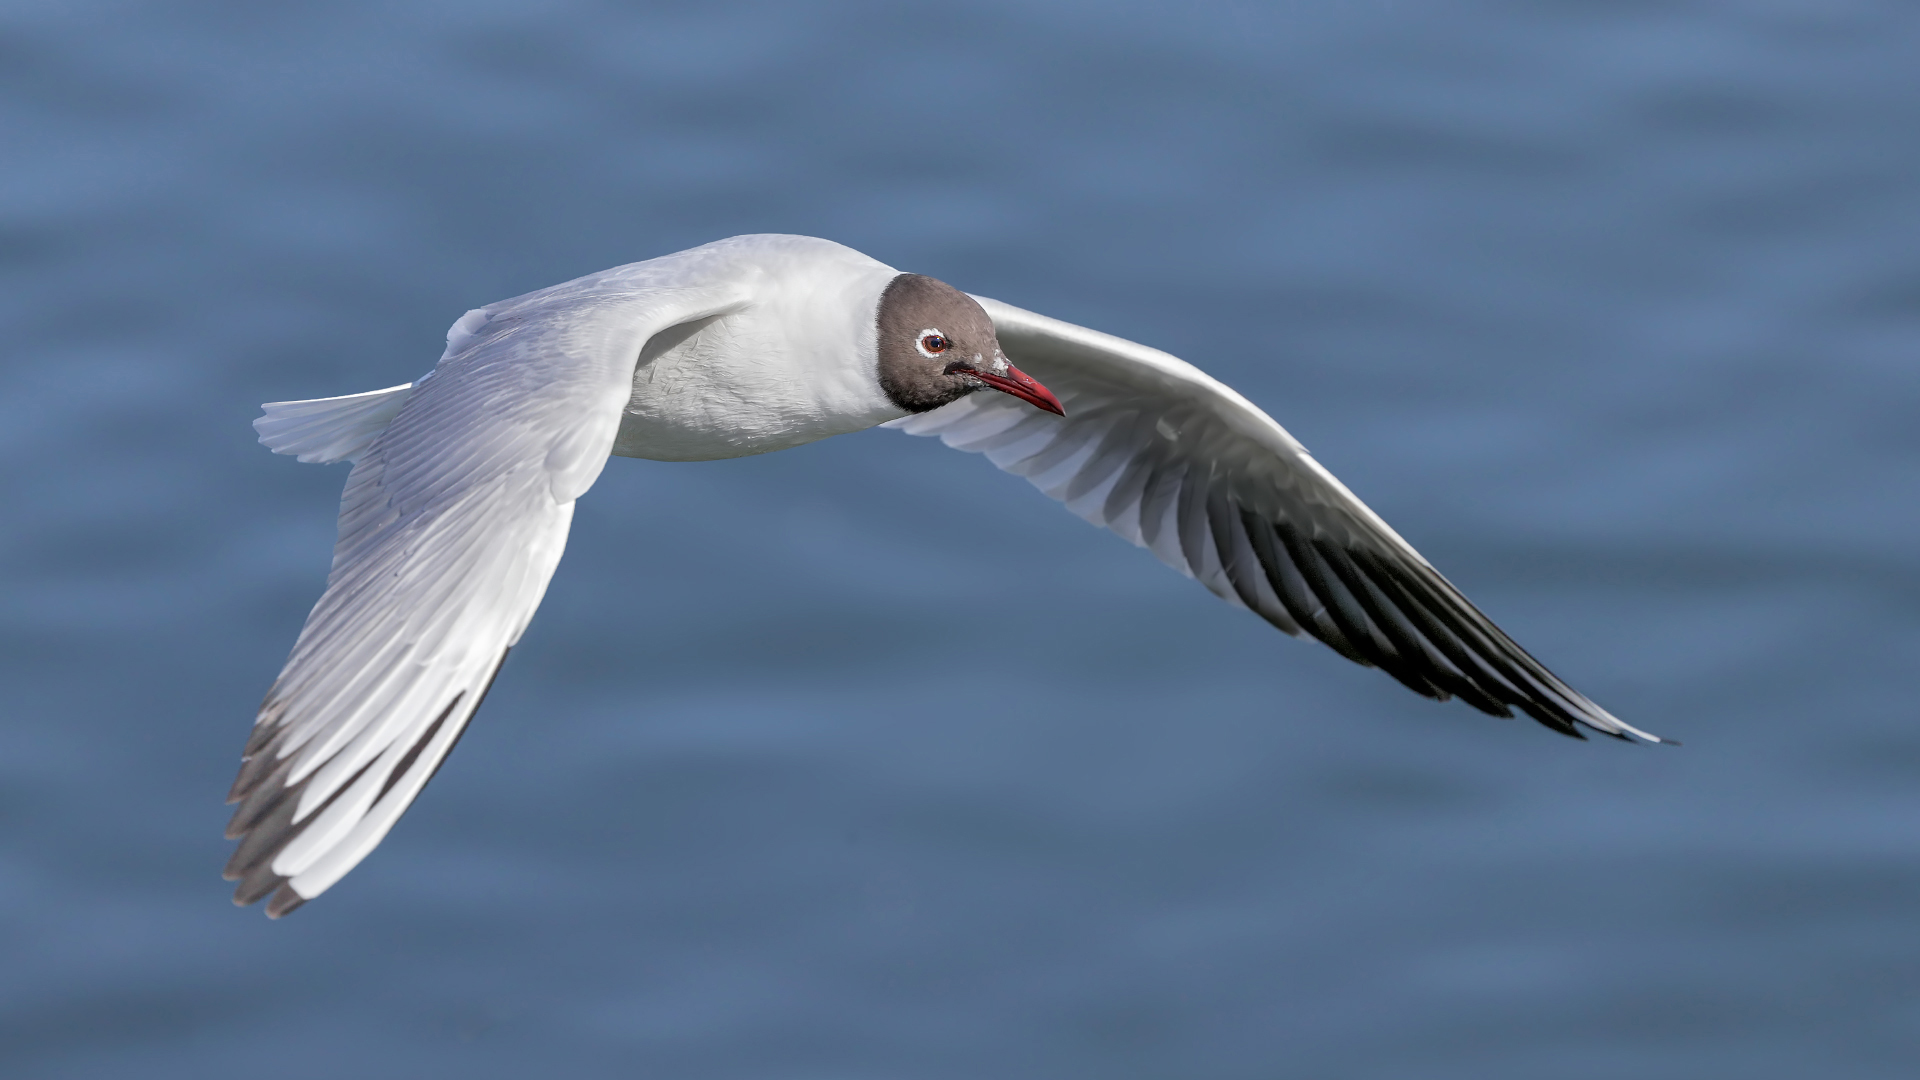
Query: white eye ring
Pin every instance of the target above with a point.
(931, 342)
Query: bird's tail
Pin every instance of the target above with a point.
(326, 430)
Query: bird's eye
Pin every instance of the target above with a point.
(933, 342)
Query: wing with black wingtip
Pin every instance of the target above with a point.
(452, 522)
(1175, 461)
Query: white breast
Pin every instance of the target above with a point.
(797, 365)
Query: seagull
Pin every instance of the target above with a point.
(463, 484)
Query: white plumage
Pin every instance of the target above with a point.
(462, 490)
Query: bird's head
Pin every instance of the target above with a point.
(937, 345)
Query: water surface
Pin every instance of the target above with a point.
(1610, 308)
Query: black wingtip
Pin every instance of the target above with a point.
(255, 886)
(1641, 738)
(285, 902)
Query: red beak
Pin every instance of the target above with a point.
(1023, 386)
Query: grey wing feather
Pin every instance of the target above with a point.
(1175, 461)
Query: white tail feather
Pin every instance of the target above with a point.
(326, 430)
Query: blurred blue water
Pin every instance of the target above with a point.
(1611, 308)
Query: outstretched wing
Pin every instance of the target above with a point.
(1177, 462)
(453, 520)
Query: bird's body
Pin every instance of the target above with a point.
(463, 485)
(771, 375)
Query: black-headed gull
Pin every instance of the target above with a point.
(463, 485)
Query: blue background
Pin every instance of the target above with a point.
(866, 760)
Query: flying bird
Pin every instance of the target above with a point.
(463, 486)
